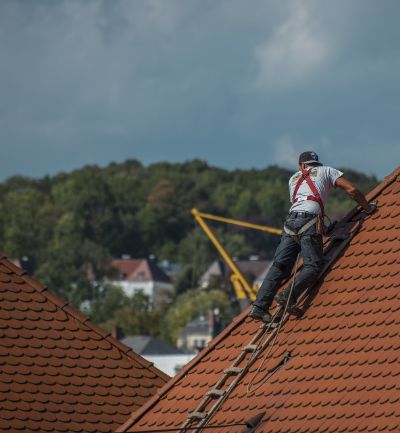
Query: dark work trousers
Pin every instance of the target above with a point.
(310, 245)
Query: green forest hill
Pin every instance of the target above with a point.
(73, 222)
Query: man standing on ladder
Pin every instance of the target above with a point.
(303, 229)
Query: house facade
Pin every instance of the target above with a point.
(141, 275)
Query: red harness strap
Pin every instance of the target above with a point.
(305, 176)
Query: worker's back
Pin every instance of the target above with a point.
(323, 177)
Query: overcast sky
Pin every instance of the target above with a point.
(239, 83)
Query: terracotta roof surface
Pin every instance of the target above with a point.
(58, 371)
(343, 356)
(139, 270)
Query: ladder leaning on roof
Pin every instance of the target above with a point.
(215, 397)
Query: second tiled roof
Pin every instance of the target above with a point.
(58, 371)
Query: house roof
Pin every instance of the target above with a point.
(139, 270)
(344, 371)
(220, 268)
(148, 345)
(58, 371)
(199, 325)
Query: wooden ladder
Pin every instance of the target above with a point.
(201, 415)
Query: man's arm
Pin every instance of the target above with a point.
(355, 194)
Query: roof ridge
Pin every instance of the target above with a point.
(84, 320)
(390, 178)
(239, 318)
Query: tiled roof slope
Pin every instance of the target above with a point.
(344, 371)
(58, 371)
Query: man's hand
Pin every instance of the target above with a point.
(373, 207)
(355, 194)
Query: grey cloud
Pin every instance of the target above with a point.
(237, 83)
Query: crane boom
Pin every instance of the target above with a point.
(237, 222)
(243, 290)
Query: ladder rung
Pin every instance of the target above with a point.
(233, 370)
(216, 393)
(250, 348)
(197, 415)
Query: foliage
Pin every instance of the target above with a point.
(71, 225)
(134, 315)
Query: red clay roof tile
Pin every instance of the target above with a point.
(344, 373)
(58, 371)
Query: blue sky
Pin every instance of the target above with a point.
(237, 83)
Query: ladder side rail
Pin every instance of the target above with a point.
(225, 376)
(239, 377)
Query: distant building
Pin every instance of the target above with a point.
(148, 345)
(24, 263)
(134, 275)
(170, 364)
(171, 269)
(165, 357)
(252, 269)
(197, 333)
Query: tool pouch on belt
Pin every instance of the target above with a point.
(320, 225)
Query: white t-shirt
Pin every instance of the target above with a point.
(323, 177)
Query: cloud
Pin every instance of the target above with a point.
(296, 51)
(288, 148)
(286, 153)
(97, 80)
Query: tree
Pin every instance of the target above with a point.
(134, 315)
(109, 299)
(70, 257)
(27, 220)
(72, 224)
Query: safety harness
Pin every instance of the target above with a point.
(305, 176)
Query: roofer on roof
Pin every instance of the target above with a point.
(303, 229)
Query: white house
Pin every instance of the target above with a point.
(134, 275)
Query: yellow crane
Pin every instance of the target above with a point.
(244, 291)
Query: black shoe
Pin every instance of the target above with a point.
(258, 313)
(282, 299)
